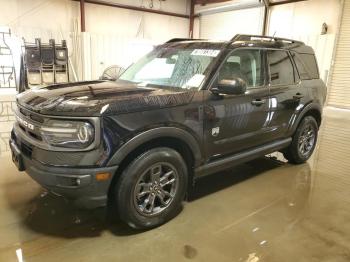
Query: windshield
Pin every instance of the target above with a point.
(172, 67)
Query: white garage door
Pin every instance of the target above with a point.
(225, 25)
(339, 94)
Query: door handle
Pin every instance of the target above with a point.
(298, 96)
(258, 102)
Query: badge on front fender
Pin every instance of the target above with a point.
(215, 131)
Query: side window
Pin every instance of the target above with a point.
(245, 64)
(310, 63)
(281, 68)
(304, 75)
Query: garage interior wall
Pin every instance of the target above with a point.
(119, 36)
(303, 21)
(222, 21)
(225, 25)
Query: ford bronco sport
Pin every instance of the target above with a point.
(187, 109)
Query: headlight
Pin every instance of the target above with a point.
(71, 134)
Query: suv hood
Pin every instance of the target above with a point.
(96, 98)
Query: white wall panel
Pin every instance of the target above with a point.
(39, 18)
(225, 25)
(119, 36)
(304, 18)
(303, 21)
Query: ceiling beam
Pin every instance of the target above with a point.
(134, 8)
(266, 3)
(204, 2)
(285, 2)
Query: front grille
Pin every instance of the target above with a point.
(22, 127)
(35, 136)
(32, 134)
(35, 117)
(24, 112)
(27, 118)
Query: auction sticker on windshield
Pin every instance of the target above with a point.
(195, 81)
(206, 52)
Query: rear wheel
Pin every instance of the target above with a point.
(304, 141)
(151, 188)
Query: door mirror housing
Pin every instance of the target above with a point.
(236, 86)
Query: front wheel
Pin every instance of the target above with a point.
(304, 141)
(151, 188)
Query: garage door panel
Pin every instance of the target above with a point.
(225, 25)
(339, 94)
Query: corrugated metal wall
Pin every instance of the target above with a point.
(339, 92)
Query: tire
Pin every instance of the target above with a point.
(306, 133)
(149, 177)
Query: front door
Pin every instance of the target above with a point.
(233, 123)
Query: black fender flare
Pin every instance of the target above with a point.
(155, 133)
(304, 111)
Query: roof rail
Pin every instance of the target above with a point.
(173, 40)
(239, 37)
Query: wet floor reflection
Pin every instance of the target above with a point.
(53, 215)
(50, 216)
(264, 210)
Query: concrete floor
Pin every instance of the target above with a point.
(266, 210)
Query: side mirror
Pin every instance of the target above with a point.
(236, 86)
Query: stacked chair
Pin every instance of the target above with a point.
(48, 63)
(33, 64)
(61, 63)
(45, 64)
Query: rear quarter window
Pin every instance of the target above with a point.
(307, 65)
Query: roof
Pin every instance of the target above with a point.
(197, 43)
(246, 41)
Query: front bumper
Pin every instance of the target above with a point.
(75, 183)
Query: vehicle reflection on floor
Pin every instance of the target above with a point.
(265, 210)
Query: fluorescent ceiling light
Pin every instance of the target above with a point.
(227, 6)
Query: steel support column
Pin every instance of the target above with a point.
(191, 18)
(82, 15)
(266, 16)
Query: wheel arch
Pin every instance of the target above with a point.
(178, 139)
(313, 110)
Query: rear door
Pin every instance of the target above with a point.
(287, 96)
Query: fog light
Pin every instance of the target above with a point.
(102, 176)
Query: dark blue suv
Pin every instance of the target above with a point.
(187, 109)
